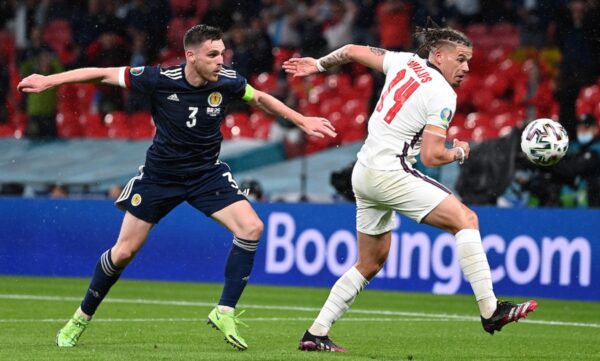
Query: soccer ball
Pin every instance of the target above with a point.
(544, 142)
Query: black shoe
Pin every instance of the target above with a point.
(507, 312)
(311, 342)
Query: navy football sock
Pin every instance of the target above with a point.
(105, 275)
(237, 270)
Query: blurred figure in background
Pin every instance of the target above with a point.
(41, 107)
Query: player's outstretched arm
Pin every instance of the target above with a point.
(36, 83)
(365, 55)
(316, 126)
(434, 152)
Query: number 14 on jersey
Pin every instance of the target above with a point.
(401, 94)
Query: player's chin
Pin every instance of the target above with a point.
(457, 81)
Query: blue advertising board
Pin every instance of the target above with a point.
(551, 253)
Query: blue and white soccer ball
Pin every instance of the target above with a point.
(544, 142)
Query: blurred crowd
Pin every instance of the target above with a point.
(532, 59)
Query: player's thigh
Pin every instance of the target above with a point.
(150, 197)
(241, 219)
(409, 192)
(133, 235)
(372, 216)
(452, 215)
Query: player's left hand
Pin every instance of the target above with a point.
(466, 149)
(318, 127)
(300, 66)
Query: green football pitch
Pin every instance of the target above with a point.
(143, 320)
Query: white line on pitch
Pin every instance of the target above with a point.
(250, 319)
(290, 308)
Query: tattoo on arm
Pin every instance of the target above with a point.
(337, 57)
(377, 51)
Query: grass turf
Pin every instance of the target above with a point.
(143, 320)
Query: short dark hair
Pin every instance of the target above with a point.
(433, 36)
(198, 34)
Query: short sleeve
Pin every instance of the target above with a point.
(440, 108)
(238, 87)
(142, 79)
(393, 59)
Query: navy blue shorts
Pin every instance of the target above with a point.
(150, 196)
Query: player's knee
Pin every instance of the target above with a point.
(471, 219)
(252, 229)
(121, 256)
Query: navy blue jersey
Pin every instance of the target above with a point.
(187, 118)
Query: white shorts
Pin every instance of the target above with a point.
(381, 192)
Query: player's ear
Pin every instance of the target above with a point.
(189, 55)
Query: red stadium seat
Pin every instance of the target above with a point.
(142, 125)
(363, 86)
(282, 54)
(7, 46)
(356, 130)
(118, 125)
(93, 126)
(483, 132)
(68, 126)
(460, 133)
(236, 125)
(506, 119)
(7, 130)
(265, 82)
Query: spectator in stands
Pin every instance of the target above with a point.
(41, 107)
(241, 49)
(577, 37)
(149, 17)
(338, 30)
(4, 85)
(580, 169)
(182, 164)
(58, 191)
(115, 191)
(108, 50)
(254, 190)
(261, 47)
(284, 19)
(393, 17)
(136, 101)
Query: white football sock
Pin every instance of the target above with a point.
(476, 269)
(342, 295)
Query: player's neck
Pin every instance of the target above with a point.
(193, 78)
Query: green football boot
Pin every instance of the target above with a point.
(70, 333)
(226, 322)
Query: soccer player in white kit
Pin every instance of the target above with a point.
(410, 119)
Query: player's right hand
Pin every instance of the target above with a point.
(34, 83)
(300, 66)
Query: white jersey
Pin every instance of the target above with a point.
(415, 94)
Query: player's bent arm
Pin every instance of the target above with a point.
(434, 152)
(366, 55)
(37, 83)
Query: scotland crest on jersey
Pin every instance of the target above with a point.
(214, 100)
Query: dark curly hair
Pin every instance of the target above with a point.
(432, 36)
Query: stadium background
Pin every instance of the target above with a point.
(532, 59)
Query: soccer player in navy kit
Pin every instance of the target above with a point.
(182, 164)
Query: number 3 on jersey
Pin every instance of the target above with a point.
(400, 96)
(192, 122)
